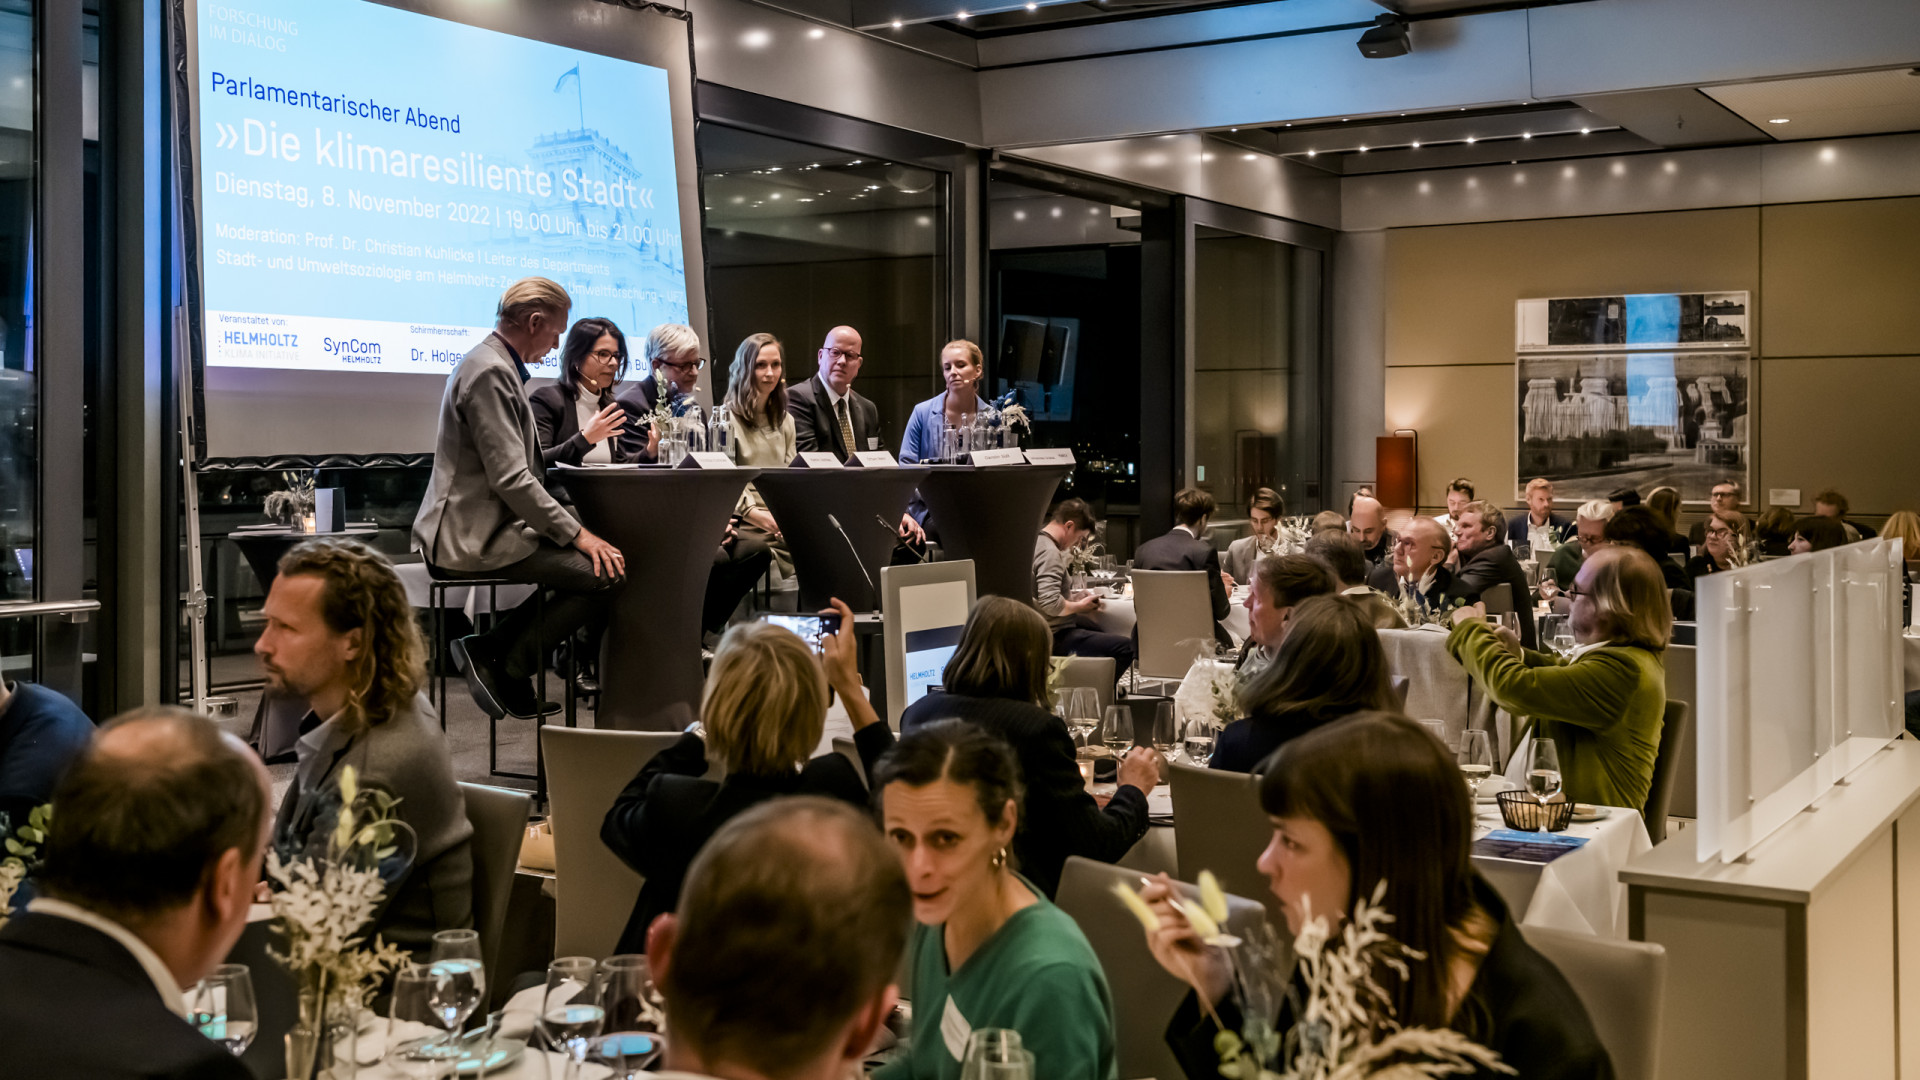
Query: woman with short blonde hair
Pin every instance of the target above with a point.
(766, 700)
(1904, 525)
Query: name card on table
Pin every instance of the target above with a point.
(1058, 455)
(705, 459)
(1009, 455)
(875, 459)
(817, 459)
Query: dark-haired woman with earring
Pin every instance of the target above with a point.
(575, 417)
(988, 949)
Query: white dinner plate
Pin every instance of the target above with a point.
(1590, 812)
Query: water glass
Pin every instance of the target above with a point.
(628, 995)
(1166, 729)
(1116, 731)
(1196, 740)
(414, 1002)
(1543, 773)
(996, 1054)
(571, 1012)
(1476, 759)
(953, 444)
(222, 1007)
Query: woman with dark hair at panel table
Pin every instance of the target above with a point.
(1264, 512)
(764, 710)
(997, 678)
(1375, 802)
(575, 416)
(1717, 543)
(1817, 533)
(762, 429)
(1773, 532)
(1603, 706)
(989, 950)
(1330, 665)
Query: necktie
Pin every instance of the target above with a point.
(846, 426)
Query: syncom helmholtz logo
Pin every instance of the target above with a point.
(352, 350)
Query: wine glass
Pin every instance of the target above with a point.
(1508, 620)
(1476, 759)
(221, 1006)
(570, 1007)
(628, 995)
(1436, 728)
(413, 1003)
(1197, 740)
(1083, 711)
(1563, 642)
(1116, 731)
(1543, 774)
(1166, 729)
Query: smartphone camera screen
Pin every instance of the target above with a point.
(810, 628)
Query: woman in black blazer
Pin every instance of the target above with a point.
(997, 678)
(1373, 801)
(576, 417)
(1330, 665)
(763, 714)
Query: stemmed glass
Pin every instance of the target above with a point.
(413, 1002)
(633, 1016)
(1476, 759)
(1083, 712)
(571, 1012)
(1116, 731)
(1197, 740)
(221, 1006)
(1166, 729)
(1543, 774)
(460, 979)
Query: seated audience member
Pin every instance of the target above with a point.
(1419, 564)
(1329, 519)
(1832, 504)
(1071, 523)
(1481, 561)
(1773, 532)
(576, 417)
(341, 633)
(764, 711)
(1539, 528)
(158, 833)
(781, 959)
(1264, 512)
(40, 733)
(1665, 504)
(997, 678)
(1640, 527)
(672, 352)
(1342, 553)
(762, 429)
(1817, 533)
(1185, 547)
(1724, 498)
(1280, 584)
(1621, 498)
(1719, 540)
(1459, 494)
(487, 511)
(1603, 707)
(1375, 800)
(1902, 525)
(988, 949)
(1367, 523)
(1590, 532)
(1331, 665)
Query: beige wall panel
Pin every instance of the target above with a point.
(1850, 970)
(1451, 288)
(1844, 422)
(1840, 278)
(1730, 1003)
(1465, 417)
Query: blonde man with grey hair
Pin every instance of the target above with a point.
(1590, 534)
(487, 512)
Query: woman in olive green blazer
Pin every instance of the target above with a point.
(1603, 708)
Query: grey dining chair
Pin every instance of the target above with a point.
(1498, 598)
(593, 890)
(499, 819)
(1674, 729)
(1174, 618)
(1144, 995)
(846, 749)
(1623, 984)
(1218, 825)
(1094, 672)
(1682, 682)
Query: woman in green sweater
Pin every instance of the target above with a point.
(1603, 706)
(988, 949)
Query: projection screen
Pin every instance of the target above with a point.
(368, 175)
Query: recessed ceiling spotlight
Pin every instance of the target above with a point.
(816, 33)
(1526, 134)
(1055, 211)
(1469, 140)
(1344, 119)
(1311, 153)
(1778, 120)
(1019, 215)
(1033, 7)
(1416, 144)
(896, 24)
(1672, 167)
(1250, 157)
(1363, 149)
(1585, 131)
(1233, 129)
(756, 39)
(961, 15)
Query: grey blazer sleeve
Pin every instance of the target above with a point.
(501, 441)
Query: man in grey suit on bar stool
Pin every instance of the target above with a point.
(488, 514)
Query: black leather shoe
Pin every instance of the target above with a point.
(495, 691)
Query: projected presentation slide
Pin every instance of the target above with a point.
(371, 179)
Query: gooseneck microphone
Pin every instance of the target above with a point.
(835, 522)
(919, 554)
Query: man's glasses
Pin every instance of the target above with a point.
(842, 354)
(1726, 494)
(685, 365)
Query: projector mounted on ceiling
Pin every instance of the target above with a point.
(1387, 39)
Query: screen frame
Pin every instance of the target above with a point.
(892, 580)
(583, 25)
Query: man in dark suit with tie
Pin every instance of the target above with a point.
(830, 415)
(150, 865)
(1184, 547)
(1418, 565)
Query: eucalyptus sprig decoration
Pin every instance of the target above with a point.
(23, 853)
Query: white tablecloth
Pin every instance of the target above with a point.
(522, 1012)
(1116, 615)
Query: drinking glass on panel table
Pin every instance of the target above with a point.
(221, 1006)
(1476, 760)
(1196, 739)
(1438, 729)
(413, 1006)
(1166, 729)
(1543, 774)
(953, 445)
(571, 1012)
(1116, 731)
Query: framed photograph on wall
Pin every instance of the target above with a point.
(1634, 391)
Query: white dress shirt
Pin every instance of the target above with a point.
(586, 406)
(163, 982)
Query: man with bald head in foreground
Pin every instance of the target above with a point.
(830, 415)
(154, 849)
(779, 964)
